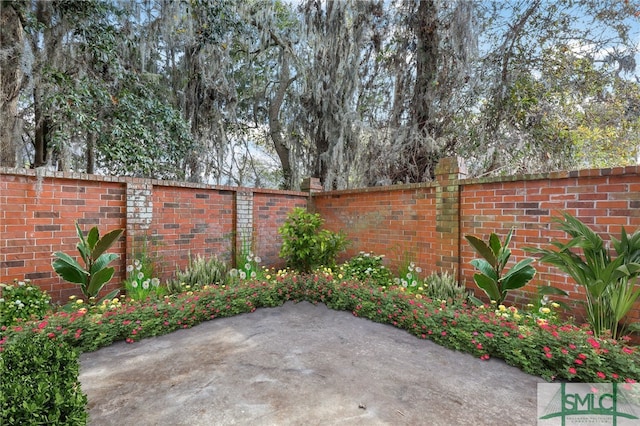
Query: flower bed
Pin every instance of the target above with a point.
(551, 350)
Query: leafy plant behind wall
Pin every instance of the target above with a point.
(492, 278)
(610, 284)
(96, 271)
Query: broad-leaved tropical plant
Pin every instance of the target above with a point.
(492, 278)
(96, 271)
(611, 284)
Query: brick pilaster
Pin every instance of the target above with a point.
(244, 221)
(139, 216)
(448, 173)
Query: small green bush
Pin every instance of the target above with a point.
(200, 272)
(22, 301)
(305, 246)
(140, 283)
(40, 383)
(368, 268)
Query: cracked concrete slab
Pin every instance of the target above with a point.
(300, 364)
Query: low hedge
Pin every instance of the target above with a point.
(40, 383)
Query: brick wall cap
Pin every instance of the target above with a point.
(139, 181)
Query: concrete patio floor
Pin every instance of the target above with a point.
(300, 364)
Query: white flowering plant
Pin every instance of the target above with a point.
(368, 267)
(22, 301)
(248, 267)
(140, 284)
(409, 277)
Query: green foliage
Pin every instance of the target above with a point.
(610, 283)
(96, 272)
(22, 301)
(247, 263)
(248, 266)
(200, 272)
(368, 268)
(445, 286)
(140, 283)
(492, 278)
(40, 383)
(141, 134)
(438, 287)
(539, 346)
(305, 246)
(409, 276)
(541, 302)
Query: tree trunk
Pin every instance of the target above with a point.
(46, 51)
(43, 127)
(92, 138)
(275, 127)
(11, 79)
(426, 30)
(193, 99)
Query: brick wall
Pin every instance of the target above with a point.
(172, 219)
(605, 199)
(399, 222)
(426, 223)
(37, 216)
(270, 210)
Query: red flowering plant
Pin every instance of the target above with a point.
(552, 350)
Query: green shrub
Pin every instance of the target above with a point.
(200, 272)
(538, 344)
(22, 301)
(140, 283)
(40, 383)
(305, 246)
(409, 277)
(368, 267)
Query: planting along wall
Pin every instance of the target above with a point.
(605, 199)
(173, 220)
(423, 223)
(426, 223)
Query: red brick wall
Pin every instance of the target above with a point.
(37, 218)
(270, 210)
(190, 221)
(604, 199)
(402, 220)
(175, 219)
(398, 222)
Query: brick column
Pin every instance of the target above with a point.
(448, 173)
(244, 221)
(139, 216)
(311, 185)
